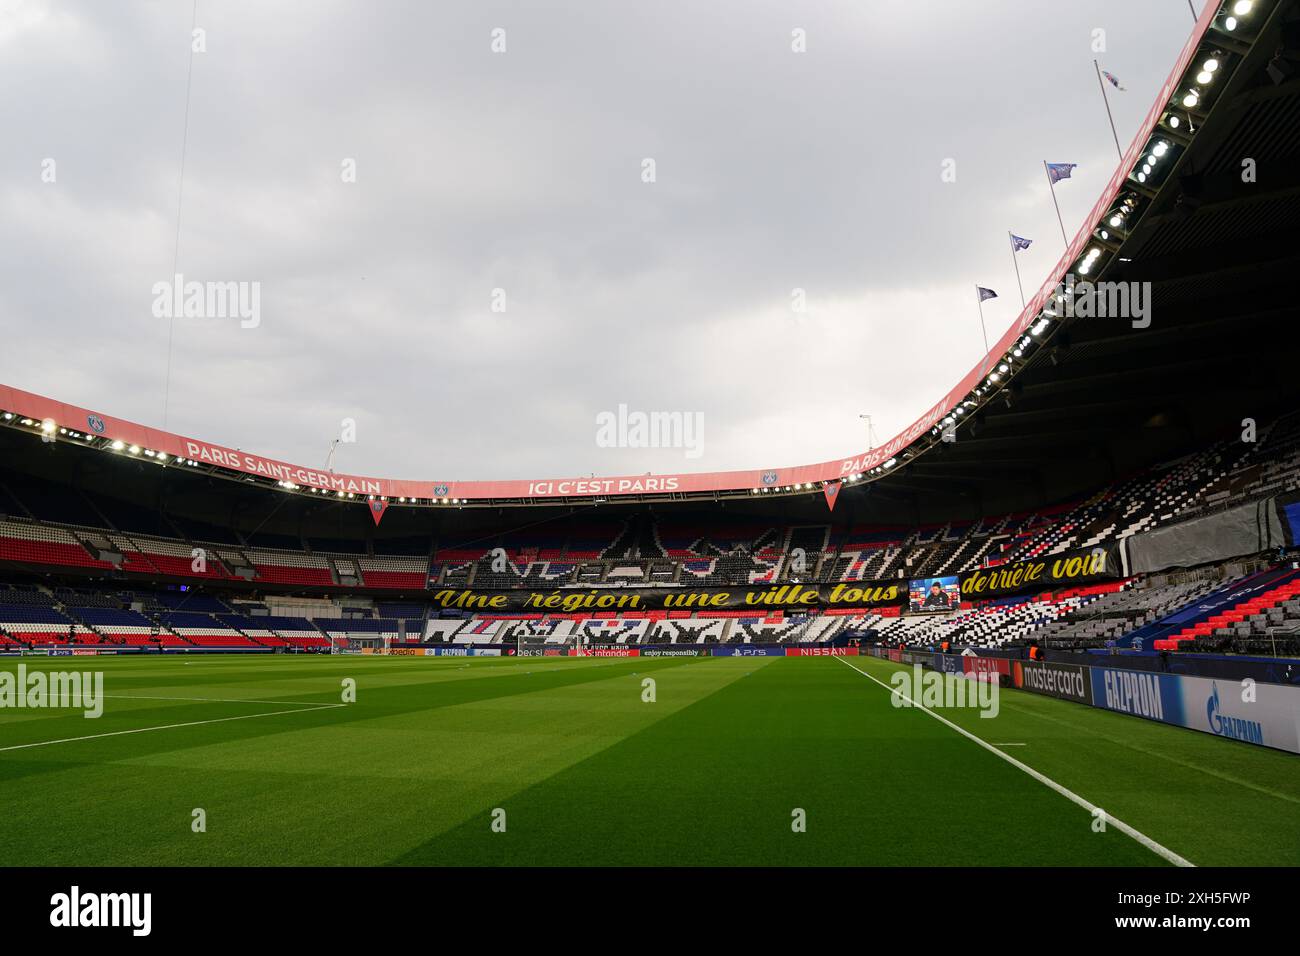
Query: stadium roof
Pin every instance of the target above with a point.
(1201, 206)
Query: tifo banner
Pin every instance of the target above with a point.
(1243, 530)
(1067, 681)
(1289, 508)
(1044, 573)
(759, 599)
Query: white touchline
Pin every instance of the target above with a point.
(1118, 824)
(145, 730)
(218, 700)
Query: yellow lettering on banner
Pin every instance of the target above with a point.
(1023, 573)
(844, 589)
(679, 600)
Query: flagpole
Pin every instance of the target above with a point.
(1017, 265)
(1105, 99)
(1052, 187)
(979, 301)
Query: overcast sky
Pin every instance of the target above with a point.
(522, 171)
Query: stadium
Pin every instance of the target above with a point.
(1069, 590)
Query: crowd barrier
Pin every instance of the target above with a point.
(621, 650)
(117, 650)
(1270, 670)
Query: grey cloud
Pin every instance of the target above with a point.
(521, 171)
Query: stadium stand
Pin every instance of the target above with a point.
(127, 605)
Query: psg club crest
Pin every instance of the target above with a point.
(831, 490)
(95, 424)
(440, 491)
(769, 477)
(377, 509)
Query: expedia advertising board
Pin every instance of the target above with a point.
(1045, 573)
(1067, 681)
(760, 599)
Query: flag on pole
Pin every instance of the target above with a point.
(1018, 244)
(986, 294)
(1114, 81)
(1058, 171)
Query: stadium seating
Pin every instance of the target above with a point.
(654, 549)
(346, 629)
(407, 574)
(282, 567)
(1244, 619)
(35, 625)
(649, 548)
(204, 630)
(32, 543)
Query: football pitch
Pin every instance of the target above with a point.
(562, 761)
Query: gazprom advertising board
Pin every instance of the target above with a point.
(1267, 715)
(1138, 693)
(1264, 714)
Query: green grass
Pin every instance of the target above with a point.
(588, 773)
